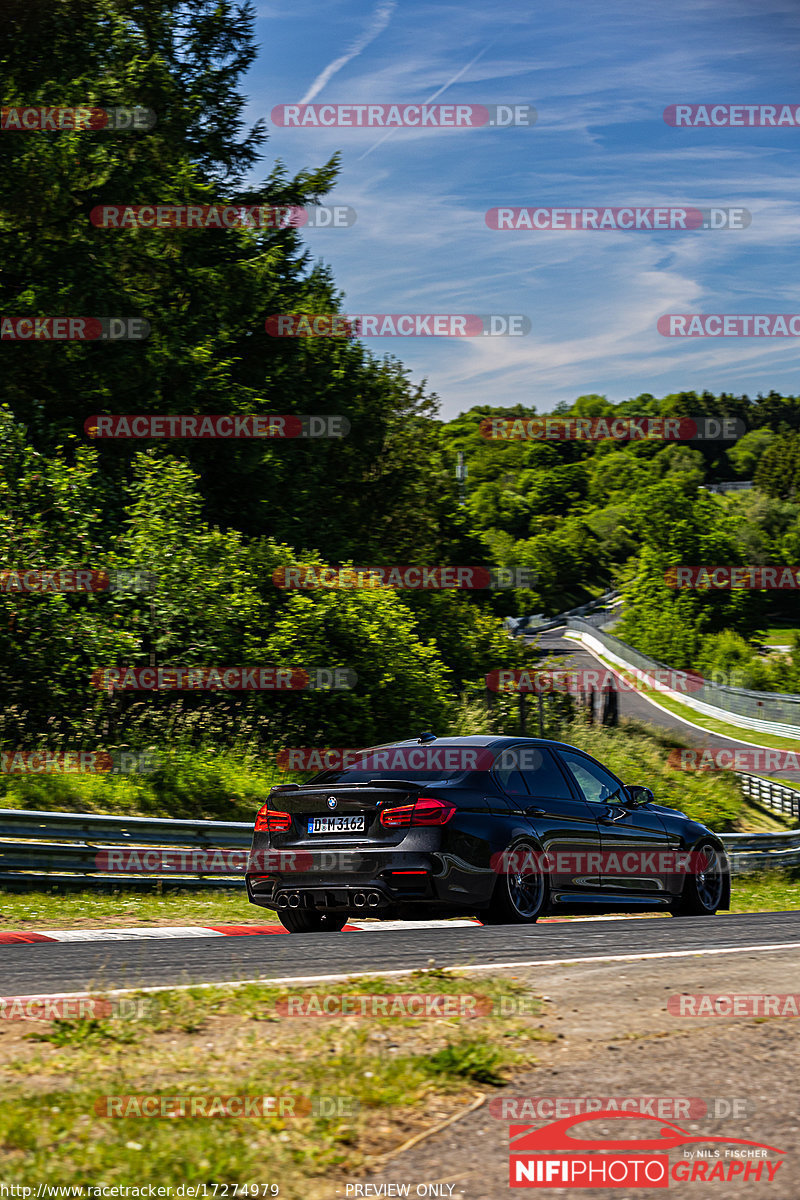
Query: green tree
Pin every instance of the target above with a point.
(778, 470)
(746, 454)
(51, 519)
(591, 405)
(206, 293)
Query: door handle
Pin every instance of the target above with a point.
(535, 812)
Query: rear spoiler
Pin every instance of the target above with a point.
(405, 784)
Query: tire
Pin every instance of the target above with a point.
(703, 892)
(520, 895)
(310, 920)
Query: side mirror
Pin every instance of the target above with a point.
(639, 795)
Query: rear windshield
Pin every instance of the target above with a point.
(353, 776)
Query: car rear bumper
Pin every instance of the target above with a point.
(407, 878)
(366, 881)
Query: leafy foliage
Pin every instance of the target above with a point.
(214, 519)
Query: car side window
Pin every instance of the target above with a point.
(507, 772)
(541, 772)
(595, 783)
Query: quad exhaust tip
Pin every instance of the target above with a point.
(360, 900)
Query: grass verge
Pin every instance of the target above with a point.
(86, 910)
(52, 909)
(198, 784)
(770, 891)
(639, 753)
(370, 1081)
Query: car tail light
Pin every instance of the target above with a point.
(270, 821)
(424, 811)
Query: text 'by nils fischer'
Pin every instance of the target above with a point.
(620, 429)
(49, 118)
(340, 325)
(624, 219)
(194, 425)
(405, 578)
(233, 679)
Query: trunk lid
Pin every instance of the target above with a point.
(308, 801)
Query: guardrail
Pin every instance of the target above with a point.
(523, 626)
(603, 619)
(762, 851)
(39, 849)
(48, 847)
(770, 794)
(766, 712)
(721, 488)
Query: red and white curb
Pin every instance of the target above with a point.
(156, 933)
(167, 932)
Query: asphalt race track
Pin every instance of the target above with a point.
(569, 655)
(48, 968)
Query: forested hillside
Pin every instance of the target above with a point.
(588, 514)
(213, 519)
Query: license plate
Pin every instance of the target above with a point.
(335, 824)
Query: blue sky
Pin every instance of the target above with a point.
(600, 76)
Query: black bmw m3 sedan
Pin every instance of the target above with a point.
(506, 829)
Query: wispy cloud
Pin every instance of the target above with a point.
(600, 86)
(434, 95)
(380, 19)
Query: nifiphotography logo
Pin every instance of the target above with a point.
(632, 1162)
